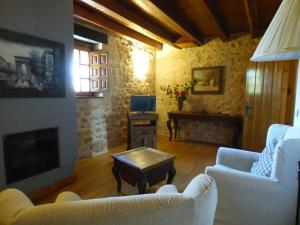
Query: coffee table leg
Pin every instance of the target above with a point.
(116, 173)
(171, 173)
(141, 183)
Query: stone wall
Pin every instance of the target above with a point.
(102, 122)
(174, 66)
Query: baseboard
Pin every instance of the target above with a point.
(37, 195)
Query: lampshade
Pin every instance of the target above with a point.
(282, 38)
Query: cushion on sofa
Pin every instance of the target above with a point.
(263, 166)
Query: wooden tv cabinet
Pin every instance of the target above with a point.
(142, 130)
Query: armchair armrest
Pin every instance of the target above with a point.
(241, 180)
(236, 158)
(242, 196)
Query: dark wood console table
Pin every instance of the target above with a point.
(235, 120)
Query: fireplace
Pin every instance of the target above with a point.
(30, 153)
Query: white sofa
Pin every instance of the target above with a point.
(195, 206)
(248, 199)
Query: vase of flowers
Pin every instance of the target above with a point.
(178, 91)
(180, 101)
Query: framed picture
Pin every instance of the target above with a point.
(31, 66)
(207, 80)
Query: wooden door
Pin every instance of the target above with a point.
(269, 99)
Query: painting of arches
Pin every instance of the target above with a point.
(30, 66)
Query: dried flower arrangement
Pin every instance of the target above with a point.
(178, 91)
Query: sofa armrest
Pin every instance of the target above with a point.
(67, 196)
(12, 203)
(200, 184)
(167, 189)
(236, 158)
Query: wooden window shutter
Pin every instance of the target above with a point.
(99, 71)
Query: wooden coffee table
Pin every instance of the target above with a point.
(141, 166)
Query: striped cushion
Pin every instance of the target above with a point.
(263, 166)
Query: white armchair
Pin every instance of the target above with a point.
(248, 199)
(195, 206)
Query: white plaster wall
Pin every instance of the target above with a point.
(52, 20)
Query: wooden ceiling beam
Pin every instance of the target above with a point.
(251, 7)
(126, 17)
(172, 18)
(96, 17)
(216, 22)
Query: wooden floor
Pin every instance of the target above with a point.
(95, 179)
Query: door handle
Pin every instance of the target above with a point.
(247, 109)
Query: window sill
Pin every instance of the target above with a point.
(89, 95)
(83, 97)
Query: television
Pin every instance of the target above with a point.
(143, 103)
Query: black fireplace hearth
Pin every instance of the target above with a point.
(30, 153)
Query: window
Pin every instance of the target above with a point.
(90, 72)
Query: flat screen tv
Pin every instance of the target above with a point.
(143, 103)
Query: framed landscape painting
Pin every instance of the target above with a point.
(207, 80)
(30, 66)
